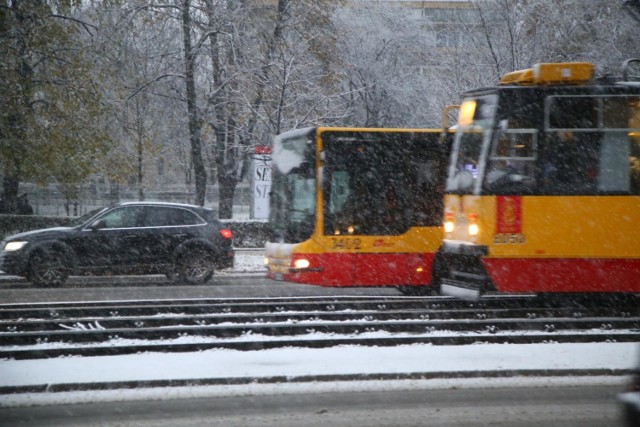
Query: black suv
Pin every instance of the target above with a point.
(184, 242)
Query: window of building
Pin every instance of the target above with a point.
(447, 39)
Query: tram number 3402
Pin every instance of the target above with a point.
(509, 238)
(345, 243)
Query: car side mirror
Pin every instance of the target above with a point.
(98, 224)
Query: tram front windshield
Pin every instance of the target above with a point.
(293, 188)
(474, 128)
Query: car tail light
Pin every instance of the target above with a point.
(226, 233)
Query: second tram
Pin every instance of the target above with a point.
(357, 206)
(543, 187)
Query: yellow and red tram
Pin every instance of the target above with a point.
(357, 206)
(543, 186)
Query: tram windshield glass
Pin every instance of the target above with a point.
(474, 126)
(381, 183)
(293, 188)
(555, 145)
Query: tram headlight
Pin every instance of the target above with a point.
(467, 112)
(448, 226)
(301, 263)
(473, 227)
(448, 222)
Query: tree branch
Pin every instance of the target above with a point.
(164, 76)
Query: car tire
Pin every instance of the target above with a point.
(195, 268)
(48, 269)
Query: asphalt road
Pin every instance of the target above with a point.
(513, 407)
(252, 285)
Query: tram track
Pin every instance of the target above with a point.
(30, 331)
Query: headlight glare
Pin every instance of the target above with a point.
(14, 246)
(301, 263)
(448, 227)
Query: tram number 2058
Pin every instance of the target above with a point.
(345, 243)
(509, 238)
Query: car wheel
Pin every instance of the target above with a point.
(48, 269)
(195, 268)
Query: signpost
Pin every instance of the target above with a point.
(261, 182)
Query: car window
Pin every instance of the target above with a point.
(86, 217)
(124, 217)
(166, 217)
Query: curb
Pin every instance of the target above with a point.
(257, 274)
(127, 385)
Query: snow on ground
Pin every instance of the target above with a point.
(249, 261)
(301, 367)
(296, 362)
(292, 363)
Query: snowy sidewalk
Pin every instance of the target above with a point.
(295, 365)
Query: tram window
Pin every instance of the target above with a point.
(590, 146)
(515, 144)
(365, 196)
(634, 166)
(378, 184)
(614, 163)
(572, 112)
(511, 166)
(590, 163)
(620, 154)
(614, 109)
(302, 204)
(634, 145)
(340, 191)
(466, 163)
(428, 191)
(570, 163)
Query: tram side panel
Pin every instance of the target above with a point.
(561, 243)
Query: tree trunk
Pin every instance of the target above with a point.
(222, 111)
(227, 188)
(12, 167)
(9, 194)
(139, 133)
(194, 125)
(140, 168)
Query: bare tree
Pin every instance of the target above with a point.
(140, 65)
(258, 54)
(514, 34)
(388, 70)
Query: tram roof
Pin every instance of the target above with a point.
(565, 77)
(595, 88)
(309, 131)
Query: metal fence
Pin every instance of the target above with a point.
(51, 201)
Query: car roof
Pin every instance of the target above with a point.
(155, 203)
